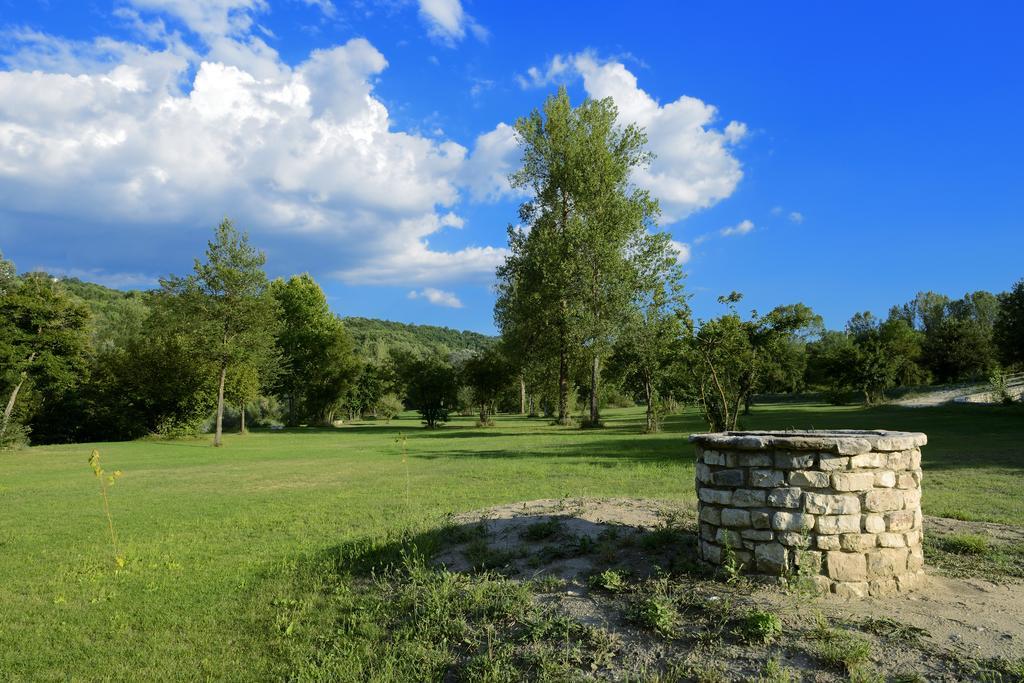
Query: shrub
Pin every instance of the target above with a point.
(758, 626)
(389, 406)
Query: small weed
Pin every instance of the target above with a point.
(106, 482)
(758, 626)
(548, 584)
(655, 612)
(610, 580)
(775, 672)
(482, 556)
(840, 648)
(541, 531)
(907, 677)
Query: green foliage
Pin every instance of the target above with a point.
(388, 407)
(840, 648)
(44, 343)
(226, 307)
(656, 612)
(965, 544)
(433, 390)
(611, 580)
(317, 352)
(759, 626)
(487, 375)
(1008, 330)
(376, 339)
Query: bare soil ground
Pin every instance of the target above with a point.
(628, 567)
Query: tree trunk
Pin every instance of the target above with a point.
(220, 406)
(595, 371)
(652, 423)
(9, 409)
(563, 387)
(241, 412)
(522, 395)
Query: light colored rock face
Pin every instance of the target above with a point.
(846, 504)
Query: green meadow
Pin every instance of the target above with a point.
(218, 544)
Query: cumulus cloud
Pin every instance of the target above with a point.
(134, 139)
(437, 297)
(741, 228)
(796, 217)
(447, 22)
(694, 167)
(496, 154)
(682, 250)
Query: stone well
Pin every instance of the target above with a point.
(841, 506)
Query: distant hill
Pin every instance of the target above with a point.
(373, 337)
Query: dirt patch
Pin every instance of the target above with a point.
(628, 567)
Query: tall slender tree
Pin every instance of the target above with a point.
(564, 286)
(227, 306)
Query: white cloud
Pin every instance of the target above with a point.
(137, 139)
(741, 228)
(693, 167)
(496, 154)
(108, 279)
(437, 297)
(776, 210)
(796, 217)
(447, 21)
(682, 250)
(208, 17)
(326, 6)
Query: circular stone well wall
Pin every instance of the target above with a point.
(843, 506)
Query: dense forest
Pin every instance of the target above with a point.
(591, 307)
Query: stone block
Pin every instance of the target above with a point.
(766, 478)
(710, 552)
(830, 463)
(848, 590)
(748, 459)
(729, 537)
(735, 518)
(809, 479)
(757, 535)
(909, 581)
(885, 479)
(788, 497)
(890, 540)
(792, 521)
(915, 561)
(707, 532)
(906, 480)
(915, 459)
(868, 460)
(795, 539)
(808, 560)
(703, 473)
(760, 520)
(912, 499)
(838, 524)
(912, 538)
(853, 481)
(887, 562)
(828, 542)
(771, 558)
(902, 520)
(714, 458)
(842, 566)
(729, 477)
(874, 524)
(918, 519)
(715, 496)
(899, 460)
(880, 587)
(883, 500)
(828, 504)
(856, 543)
(711, 514)
(794, 461)
(748, 498)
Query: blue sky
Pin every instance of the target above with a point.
(846, 156)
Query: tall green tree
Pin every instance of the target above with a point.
(320, 365)
(44, 341)
(1008, 330)
(433, 390)
(487, 375)
(651, 337)
(228, 307)
(565, 285)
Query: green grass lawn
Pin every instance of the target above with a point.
(213, 539)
